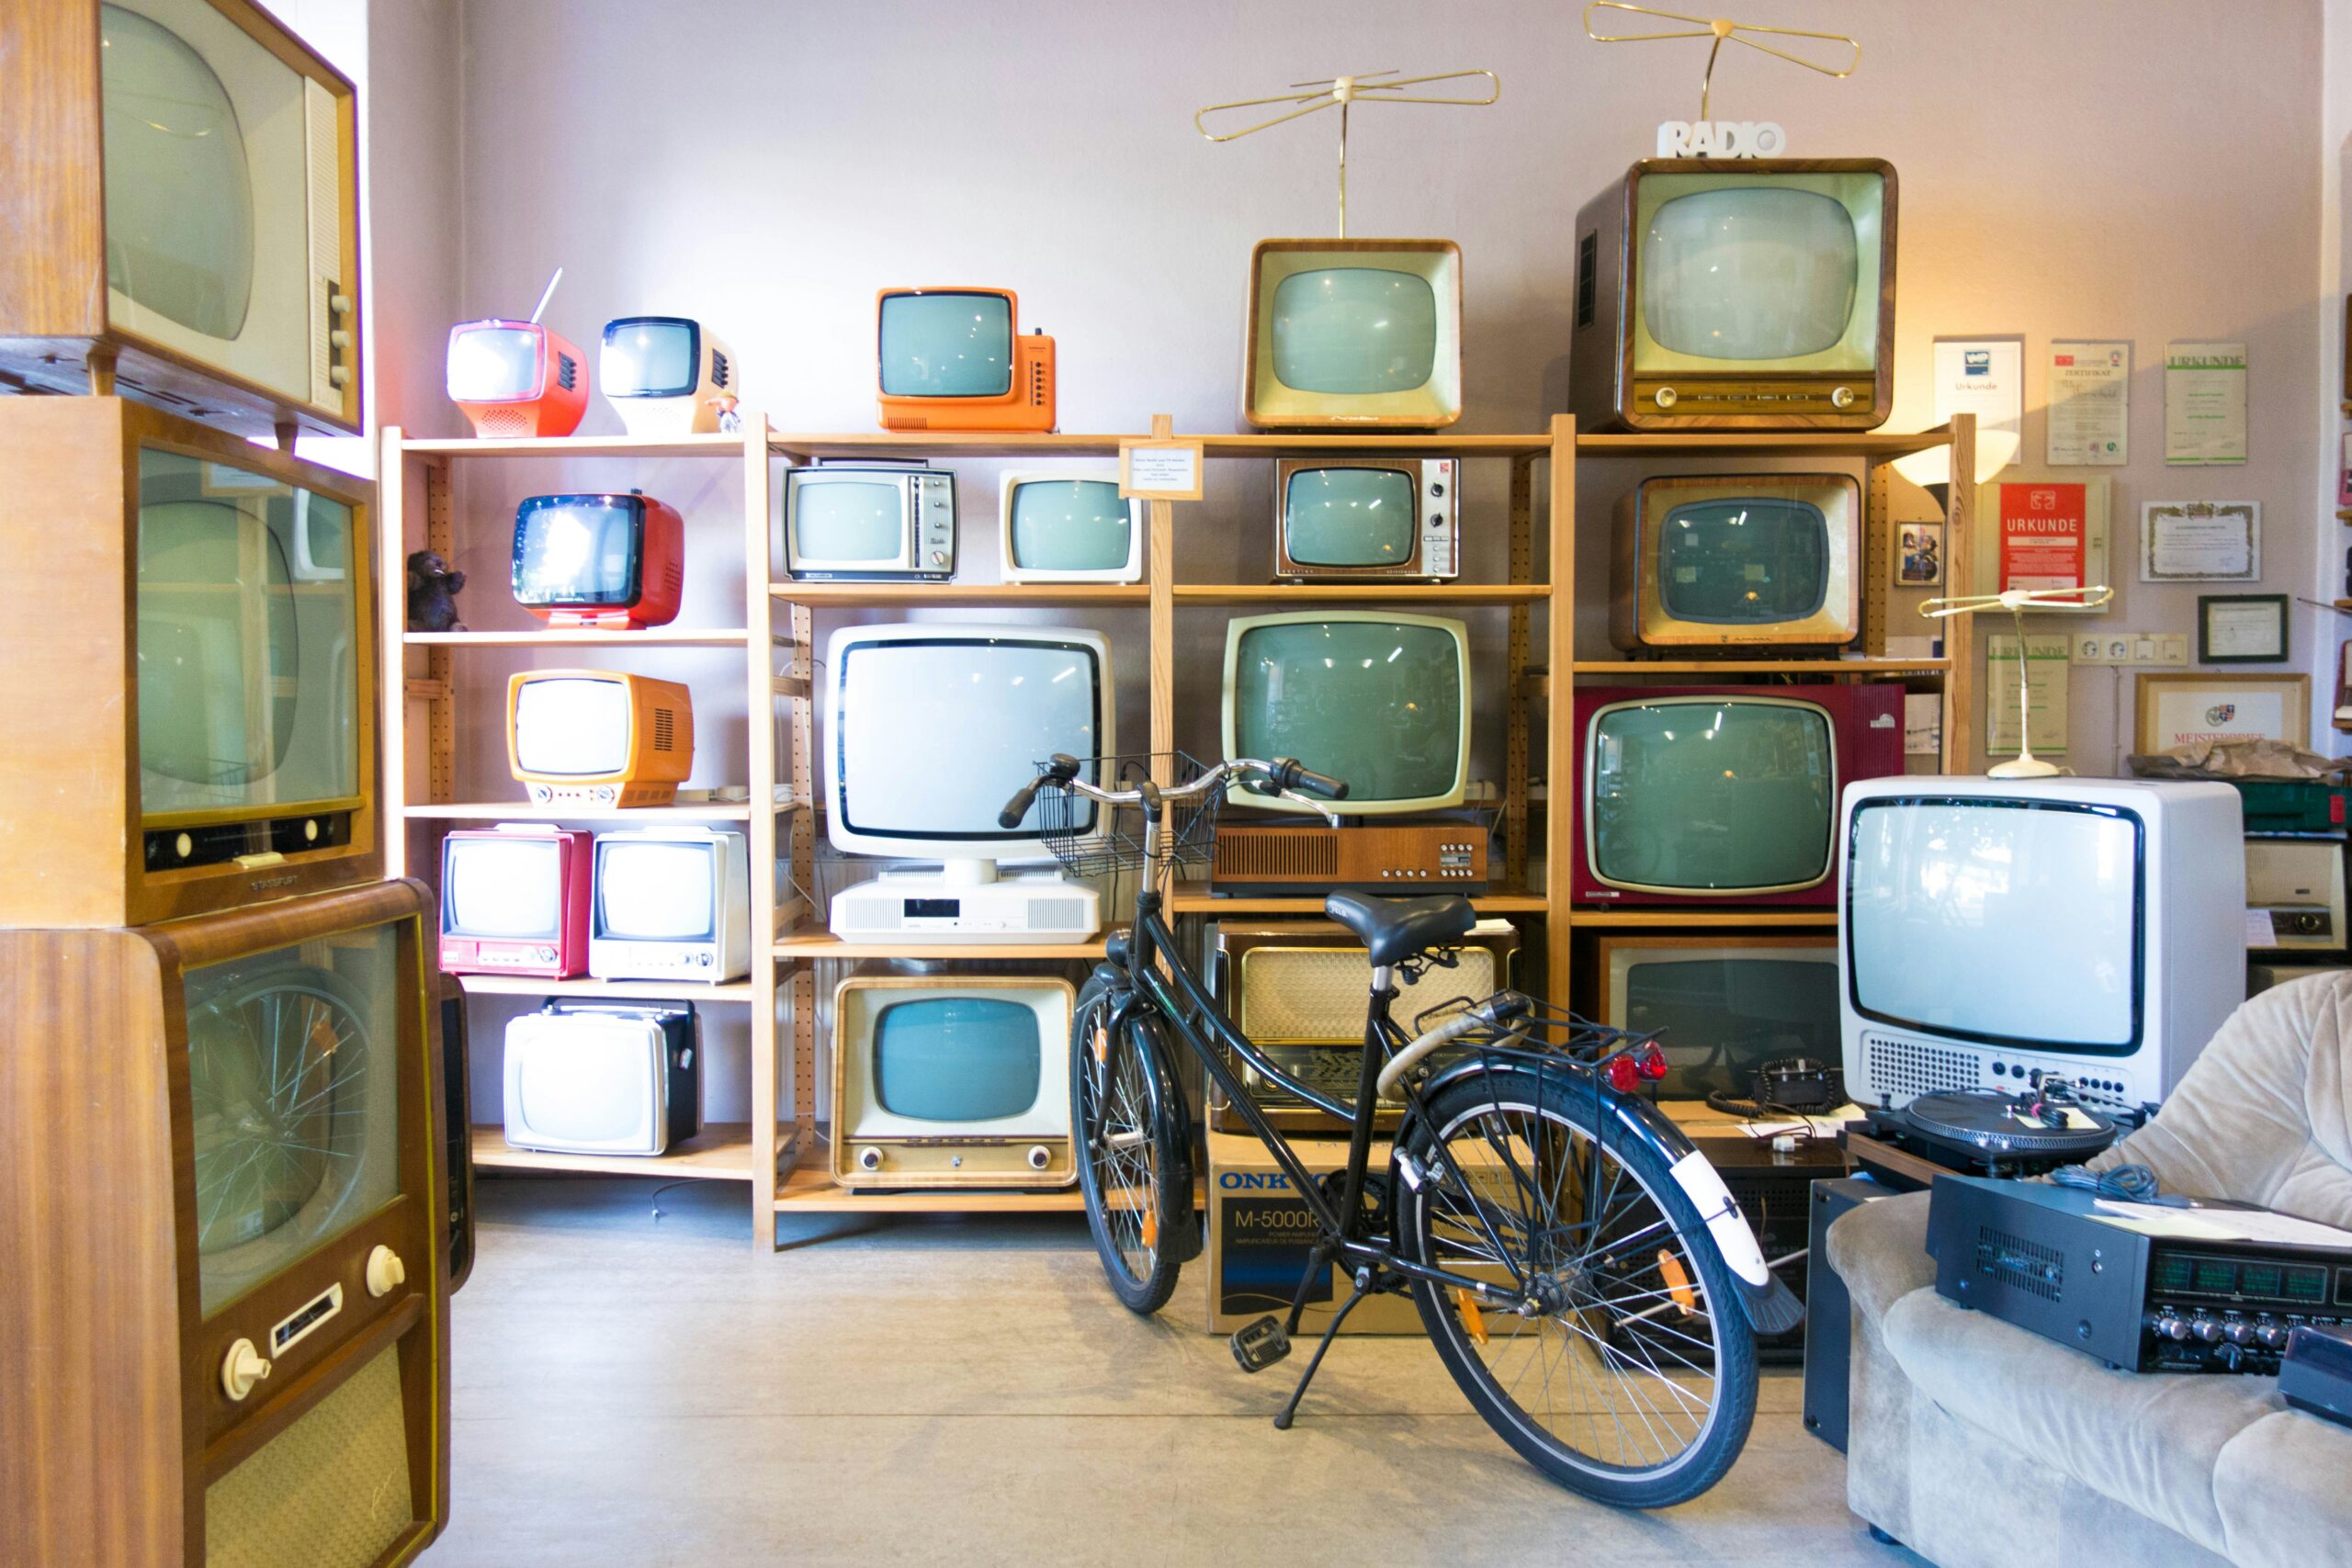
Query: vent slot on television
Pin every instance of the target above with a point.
(665, 732)
(1588, 276)
(2020, 1264)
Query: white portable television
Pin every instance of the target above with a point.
(1069, 525)
(868, 521)
(665, 375)
(670, 904)
(1995, 931)
(598, 1078)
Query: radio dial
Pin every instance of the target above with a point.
(1666, 397)
(243, 1368)
(2206, 1330)
(1040, 1157)
(869, 1160)
(2237, 1333)
(2269, 1336)
(2171, 1327)
(386, 1272)
(1841, 397)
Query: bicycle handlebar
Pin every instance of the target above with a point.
(1286, 774)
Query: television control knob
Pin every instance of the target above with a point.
(1040, 1157)
(386, 1272)
(869, 1160)
(339, 303)
(1666, 397)
(243, 1368)
(1436, 488)
(1841, 397)
(939, 557)
(339, 338)
(338, 375)
(184, 846)
(546, 956)
(2207, 1330)
(310, 829)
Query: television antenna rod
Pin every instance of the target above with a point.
(545, 295)
(2017, 601)
(1723, 30)
(1365, 87)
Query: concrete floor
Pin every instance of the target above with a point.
(635, 1394)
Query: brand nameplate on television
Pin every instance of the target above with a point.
(1721, 139)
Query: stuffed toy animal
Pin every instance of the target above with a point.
(433, 594)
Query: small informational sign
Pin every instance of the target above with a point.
(2204, 404)
(2048, 659)
(2053, 534)
(2090, 404)
(1985, 377)
(2200, 541)
(1160, 470)
(1722, 139)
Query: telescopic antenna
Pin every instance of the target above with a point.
(547, 296)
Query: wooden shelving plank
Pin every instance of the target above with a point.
(607, 990)
(524, 811)
(1730, 667)
(1305, 593)
(945, 443)
(569, 446)
(720, 1152)
(815, 942)
(981, 595)
(809, 1190)
(1876, 446)
(1681, 917)
(654, 637)
(1197, 900)
(1310, 444)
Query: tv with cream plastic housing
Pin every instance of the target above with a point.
(1346, 334)
(665, 375)
(1069, 525)
(929, 728)
(670, 904)
(1993, 930)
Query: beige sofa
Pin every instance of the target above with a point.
(1981, 1446)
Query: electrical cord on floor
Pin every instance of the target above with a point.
(655, 1198)
(2131, 1183)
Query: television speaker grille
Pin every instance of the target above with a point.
(718, 369)
(674, 581)
(1300, 993)
(1588, 278)
(331, 1491)
(1905, 1066)
(2022, 1264)
(666, 728)
(504, 422)
(1269, 856)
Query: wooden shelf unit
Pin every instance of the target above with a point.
(720, 1152)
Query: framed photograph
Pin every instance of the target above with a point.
(2241, 628)
(1918, 554)
(2200, 541)
(2180, 710)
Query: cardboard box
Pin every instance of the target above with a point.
(1258, 1234)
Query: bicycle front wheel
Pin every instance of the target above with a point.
(1129, 1157)
(1628, 1371)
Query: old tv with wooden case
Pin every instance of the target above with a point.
(1737, 294)
(1352, 335)
(1343, 519)
(1723, 562)
(182, 181)
(190, 713)
(230, 1144)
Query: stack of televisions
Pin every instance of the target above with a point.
(237, 1209)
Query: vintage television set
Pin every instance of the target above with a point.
(1347, 518)
(514, 901)
(1736, 293)
(604, 1078)
(1721, 794)
(1726, 1004)
(231, 1137)
(615, 561)
(928, 729)
(183, 223)
(598, 739)
(1069, 525)
(516, 379)
(955, 359)
(671, 904)
(868, 521)
(666, 374)
(191, 720)
(1993, 932)
(1298, 988)
(951, 1080)
(1352, 335)
(1707, 562)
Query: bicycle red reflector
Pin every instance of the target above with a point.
(1624, 1077)
(1650, 1061)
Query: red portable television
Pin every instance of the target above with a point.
(615, 561)
(514, 901)
(516, 379)
(1721, 794)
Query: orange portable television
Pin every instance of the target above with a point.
(594, 738)
(955, 359)
(516, 379)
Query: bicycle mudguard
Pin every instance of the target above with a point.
(1176, 1218)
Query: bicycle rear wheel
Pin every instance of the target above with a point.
(1629, 1375)
(1130, 1156)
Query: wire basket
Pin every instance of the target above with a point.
(1096, 840)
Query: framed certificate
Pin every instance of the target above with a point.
(2182, 710)
(2241, 628)
(2200, 541)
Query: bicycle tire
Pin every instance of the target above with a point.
(1124, 1126)
(1613, 1321)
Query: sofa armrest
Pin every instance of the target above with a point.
(1879, 1250)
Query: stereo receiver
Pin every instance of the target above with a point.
(1406, 857)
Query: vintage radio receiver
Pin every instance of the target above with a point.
(2299, 883)
(1275, 858)
(1298, 988)
(2045, 1260)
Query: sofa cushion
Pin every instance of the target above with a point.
(2150, 1441)
(1879, 1250)
(2282, 1487)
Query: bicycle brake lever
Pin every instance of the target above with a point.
(1328, 816)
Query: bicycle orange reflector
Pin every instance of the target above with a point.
(1678, 1282)
(1474, 1322)
(1151, 1221)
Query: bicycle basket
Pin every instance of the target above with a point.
(1092, 839)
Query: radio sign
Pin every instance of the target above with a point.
(1721, 139)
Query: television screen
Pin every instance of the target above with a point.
(956, 1059)
(494, 365)
(933, 735)
(1351, 517)
(947, 345)
(1725, 1014)
(849, 520)
(1360, 331)
(1070, 525)
(591, 1091)
(650, 356)
(2004, 922)
(504, 887)
(1712, 794)
(570, 725)
(574, 550)
(1373, 701)
(1752, 561)
(247, 688)
(649, 891)
(1749, 272)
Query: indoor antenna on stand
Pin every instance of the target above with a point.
(2017, 601)
(1722, 30)
(1344, 91)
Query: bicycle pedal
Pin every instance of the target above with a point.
(1260, 1345)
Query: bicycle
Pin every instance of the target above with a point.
(1572, 1256)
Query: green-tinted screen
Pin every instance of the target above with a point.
(947, 345)
(1069, 525)
(1349, 516)
(1713, 794)
(248, 683)
(1354, 330)
(1753, 272)
(1726, 1017)
(843, 520)
(956, 1059)
(1743, 562)
(1375, 704)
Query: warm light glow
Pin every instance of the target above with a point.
(1996, 450)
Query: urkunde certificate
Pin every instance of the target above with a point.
(2090, 404)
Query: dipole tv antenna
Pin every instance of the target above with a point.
(1345, 91)
(1723, 30)
(2017, 601)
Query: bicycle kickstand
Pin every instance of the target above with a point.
(1290, 1410)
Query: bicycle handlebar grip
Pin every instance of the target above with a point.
(1018, 806)
(1292, 774)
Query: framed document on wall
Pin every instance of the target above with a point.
(2241, 628)
(2182, 710)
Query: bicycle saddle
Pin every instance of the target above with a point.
(1397, 929)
